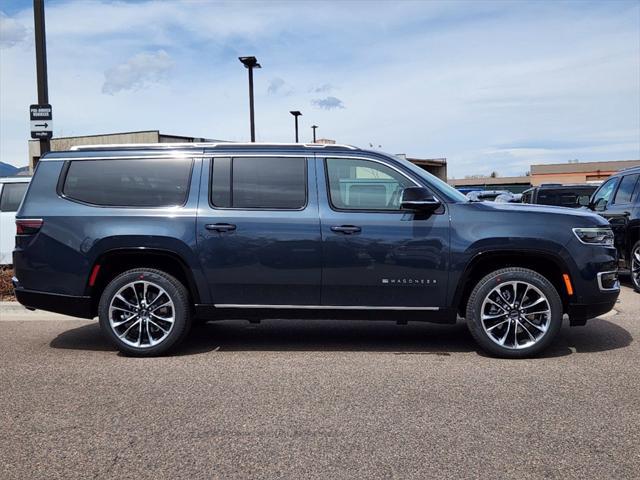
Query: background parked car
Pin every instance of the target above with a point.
(572, 196)
(12, 190)
(618, 200)
(486, 195)
(509, 198)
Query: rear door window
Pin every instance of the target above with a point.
(129, 182)
(278, 183)
(12, 194)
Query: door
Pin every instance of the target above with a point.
(374, 253)
(11, 195)
(618, 212)
(258, 231)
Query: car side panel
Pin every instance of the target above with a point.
(58, 259)
(546, 235)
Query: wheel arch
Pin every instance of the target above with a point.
(547, 264)
(118, 260)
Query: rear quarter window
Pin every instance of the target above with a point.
(11, 196)
(128, 182)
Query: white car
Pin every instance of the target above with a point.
(12, 190)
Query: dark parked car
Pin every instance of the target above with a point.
(150, 237)
(618, 200)
(572, 196)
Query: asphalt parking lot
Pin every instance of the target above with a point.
(319, 399)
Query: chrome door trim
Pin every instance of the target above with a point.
(320, 307)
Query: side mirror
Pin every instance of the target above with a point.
(583, 201)
(419, 198)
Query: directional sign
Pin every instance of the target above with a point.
(41, 121)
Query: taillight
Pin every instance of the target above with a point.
(28, 226)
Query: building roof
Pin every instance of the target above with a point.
(582, 167)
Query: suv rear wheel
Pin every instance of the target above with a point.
(514, 312)
(635, 266)
(144, 312)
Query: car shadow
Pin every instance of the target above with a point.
(351, 336)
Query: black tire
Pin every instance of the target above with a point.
(486, 286)
(175, 291)
(634, 266)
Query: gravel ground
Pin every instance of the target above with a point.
(318, 399)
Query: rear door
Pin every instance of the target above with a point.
(376, 255)
(11, 195)
(258, 231)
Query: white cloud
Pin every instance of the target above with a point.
(277, 86)
(12, 32)
(138, 71)
(324, 88)
(328, 103)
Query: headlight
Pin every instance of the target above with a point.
(595, 236)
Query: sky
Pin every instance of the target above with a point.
(491, 86)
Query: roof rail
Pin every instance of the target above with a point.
(165, 146)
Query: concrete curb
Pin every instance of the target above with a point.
(12, 307)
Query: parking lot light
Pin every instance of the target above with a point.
(250, 63)
(296, 114)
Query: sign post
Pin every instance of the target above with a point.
(41, 122)
(43, 86)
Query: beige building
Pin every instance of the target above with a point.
(146, 136)
(577, 172)
(435, 166)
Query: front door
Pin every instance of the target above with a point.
(619, 210)
(374, 253)
(258, 231)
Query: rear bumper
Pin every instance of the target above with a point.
(54, 302)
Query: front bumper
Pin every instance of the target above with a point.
(579, 313)
(54, 302)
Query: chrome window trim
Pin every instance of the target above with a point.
(320, 307)
(382, 162)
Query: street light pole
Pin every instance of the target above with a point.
(314, 132)
(250, 63)
(296, 114)
(41, 64)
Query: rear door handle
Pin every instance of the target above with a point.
(346, 229)
(220, 227)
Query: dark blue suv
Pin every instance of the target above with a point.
(151, 237)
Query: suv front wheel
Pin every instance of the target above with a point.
(144, 312)
(514, 312)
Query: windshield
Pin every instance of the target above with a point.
(444, 187)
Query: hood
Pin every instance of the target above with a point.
(526, 208)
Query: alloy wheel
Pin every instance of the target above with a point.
(141, 314)
(635, 267)
(515, 315)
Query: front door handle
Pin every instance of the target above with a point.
(220, 227)
(346, 229)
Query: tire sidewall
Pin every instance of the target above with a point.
(488, 283)
(176, 292)
(636, 286)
